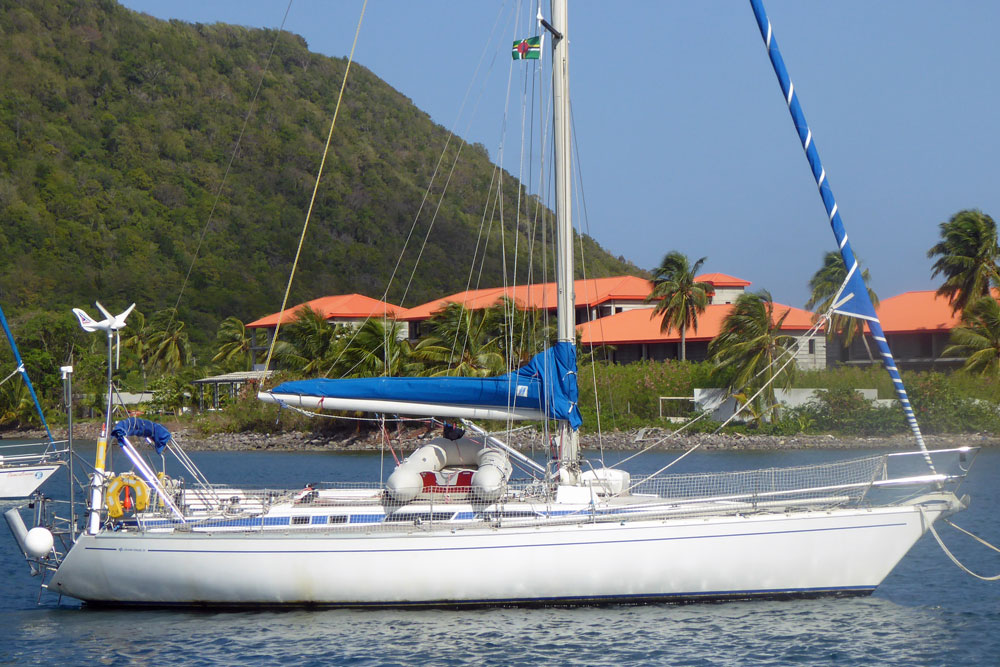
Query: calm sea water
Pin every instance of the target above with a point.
(927, 612)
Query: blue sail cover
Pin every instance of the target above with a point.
(133, 426)
(546, 384)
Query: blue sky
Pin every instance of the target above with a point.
(684, 139)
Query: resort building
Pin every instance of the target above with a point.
(613, 313)
(345, 309)
(636, 335)
(595, 298)
(917, 327)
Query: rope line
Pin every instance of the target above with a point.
(789, 351)
(19, 369)
(312, 199)
(961, 566)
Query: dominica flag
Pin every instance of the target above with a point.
(529, 48)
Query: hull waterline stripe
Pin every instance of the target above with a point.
(489, 547)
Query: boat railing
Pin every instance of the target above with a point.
(16, 454)
(883, 479)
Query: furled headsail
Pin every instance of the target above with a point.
(853, 299)
(544, 388)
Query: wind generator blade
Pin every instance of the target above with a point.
(86, 321)
(104, 311)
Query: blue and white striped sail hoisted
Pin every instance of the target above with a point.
(24, 373)
(854, 300)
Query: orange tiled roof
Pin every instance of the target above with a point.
(721, 280)
(637, 326)
(910, 312)
(589, 293)
(339, 306)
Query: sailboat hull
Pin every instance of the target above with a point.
(798, 554)
(22, 481)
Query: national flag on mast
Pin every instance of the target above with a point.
(529, 48)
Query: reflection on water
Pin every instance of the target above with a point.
(926, 613)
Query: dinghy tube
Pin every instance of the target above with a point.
(493, 468)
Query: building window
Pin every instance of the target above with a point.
(812, 346)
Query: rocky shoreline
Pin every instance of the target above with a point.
(409, 439)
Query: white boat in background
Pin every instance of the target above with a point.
(454, 526)
(26, 466)
(21, 473)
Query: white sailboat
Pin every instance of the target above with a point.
(24, 467)
(451, 527)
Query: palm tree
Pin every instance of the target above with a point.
(16, 405)
(967, 258)
(136, 342)
(375, 349)
(824, 285)
(519, 333)
(679, 298)
(233, 343)
(748, 346)
(978, 337)
(316, 343)
(462, 341)
(170, 348)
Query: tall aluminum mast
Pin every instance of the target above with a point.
(565, 300)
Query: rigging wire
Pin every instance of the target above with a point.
(788, 352)
(229, 166)
(585, 223)
(426, 196)
(312, 200)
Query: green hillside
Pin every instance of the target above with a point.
(116, 130)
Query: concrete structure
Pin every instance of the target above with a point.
(725, 288)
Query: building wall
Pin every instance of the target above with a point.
(811, 353)
(615, 306)
(920, 350)
(727, 294)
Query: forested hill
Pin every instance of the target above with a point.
(116, 130)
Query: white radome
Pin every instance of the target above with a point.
(38, 542)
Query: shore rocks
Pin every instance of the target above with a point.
(409, 439)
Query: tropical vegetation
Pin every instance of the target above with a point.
(116, 131)
(977, 339)
(750, 353)
(679, 298)
(966, 257)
